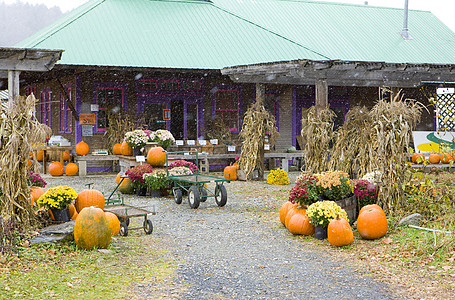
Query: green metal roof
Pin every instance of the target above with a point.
(221, 33)
(162, 34)
(352, 32)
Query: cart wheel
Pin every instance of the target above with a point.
(123, 229)
(193, 197)
(124, 220)
(148, 227)
(177, 196)
(220, 195)
(203, 193)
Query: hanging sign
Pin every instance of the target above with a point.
(166, 114)
(87, 119)
(87, 130)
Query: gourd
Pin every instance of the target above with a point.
(89, 197)
(92, 229)
(156, 157)
(434, 158)
(125, 149)
(66, 155)
(415, 158)
(126, 187)
(81, 148)
(372, 223)
(339, 232)
(71, 169)
(56, 168)
(113, 223)
(230, 172)
(117, 149)
(296, 208)
(284, 210)
(299, 223)
(446, 158)
(36, 193)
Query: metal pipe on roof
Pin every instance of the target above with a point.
(405, 33)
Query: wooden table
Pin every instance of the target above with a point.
(60, 149)
(82, 161)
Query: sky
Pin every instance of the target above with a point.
(443, 9)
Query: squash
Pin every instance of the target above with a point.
(284, 210)
(118, 178)
(39, 155)
(71, 169)
(339, 232)
(66, 155)
(299, 223)
(416, 159)
(126, 187)
(370, 206)
(91, 229)
(446, 158)
(113, 223)
(434, 158)
(117, 149)
(72, 209)
(156, 157)
(125, 149)
(56, 168)
(230, 172)
(89, 197)
(372, 223)
(296, 208)
(35, 194)
(81, 148)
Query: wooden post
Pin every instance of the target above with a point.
(260, 96)
(322, 94)
(13, 84)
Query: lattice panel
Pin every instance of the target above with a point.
(445, 112)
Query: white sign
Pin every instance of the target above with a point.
(87, 130)
(266, 147)
(202, 142)
(94, 107)
(140, 158)
(444, 91)
(214, 141)
(231, 148)
(430, 141)
(179, 142)
(191, 142)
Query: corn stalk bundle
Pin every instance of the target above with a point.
(256, 122)
(317, 129)
(120, 123)
(19, 130)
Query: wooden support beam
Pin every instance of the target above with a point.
(322, 94)
(13, 84)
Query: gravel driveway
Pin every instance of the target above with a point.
(230, 253)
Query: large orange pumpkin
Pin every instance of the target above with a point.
(230, 172)
(56, 168)
(36, 193)
(372, 223)
(126, 187)
(366, 207)
(284, 210)
(296, 208)
(66, 155)
(339, 232)
(113, 222)
(118, 178)
(156, 157)
(299, 223)
(81, 148)
(416, 159)
(89, 197)
(117, 149)
(125, 149)
(434, 158)
(92, 229)
(71, 169)
(39, 155)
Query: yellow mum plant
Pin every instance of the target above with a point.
(278, 177)
(57, 197)
(322, 212)
(334, 185)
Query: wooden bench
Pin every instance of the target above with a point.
(82, 161)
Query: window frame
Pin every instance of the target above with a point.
(65, 113)
(108, 86)
(224, 88)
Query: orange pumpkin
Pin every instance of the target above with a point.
(113, 222)
(39, 155)
(284, 210)
(299, 223)
(156, 157)
(296, 208)
(372, 223)
(72, 209)
(446, 158)
(117, 149)
(36, 193)
(375, 206)
(126, 187)
(56, 168)
(66, 155)
(71, 169)
(434, 158)
(230, 172)
(92, 229)
(118, 178)
(339, 232)
(125, 149)
(418, 158)
(81, 148)
(89, 197)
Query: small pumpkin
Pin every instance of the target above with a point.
(416, 159)
(89, 197)
(56, 168)
(156, 157)
(446, 158)
(118, 178)
(39, 155)
(372, 223)
(125, 149)
(113, 223)
(117, 149)
(296, 208)
(36, 193)
(92, 229)
(284, 210)
(299, 223)
(126, 187)
(434, 158)
(66, 155)
(71, 169)
(339, 232)
(81, 148)
(230, 172)
(72, 209)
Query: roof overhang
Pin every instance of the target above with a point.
(342, 73)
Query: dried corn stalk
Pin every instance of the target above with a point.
(317, 129)
(19, 130)
(120, 123)
(256, 122)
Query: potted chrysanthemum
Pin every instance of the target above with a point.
(57, 200)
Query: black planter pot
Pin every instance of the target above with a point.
(320, 232)
(155, 194)
(137, 151)
(141, 191)
(61, 215)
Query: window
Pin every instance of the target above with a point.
(65, 113)
(444, 106)
(169, 85)
(227, 107)
(107, 98)
(147, 85)
(45, 106)
(192, 85)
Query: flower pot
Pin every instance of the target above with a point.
(320, 232)
(141, 191)
(137, 151)
(349, 204)
(155, 194)
(61, 215)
